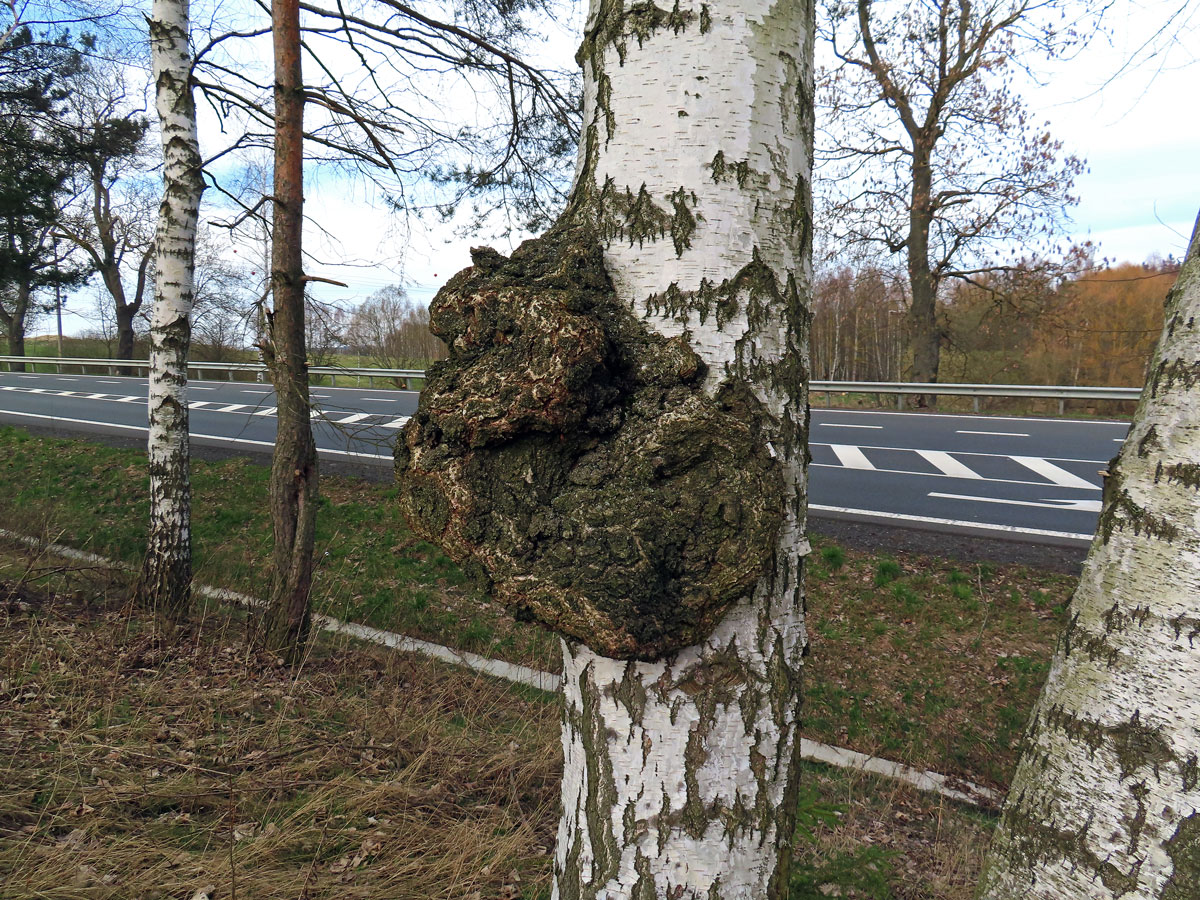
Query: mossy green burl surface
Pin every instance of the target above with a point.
(567, 456)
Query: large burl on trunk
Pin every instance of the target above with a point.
(567, 455)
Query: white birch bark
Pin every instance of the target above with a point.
(1106, 799)
(166, 572)
(679, 774)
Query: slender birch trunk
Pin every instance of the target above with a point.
(294, 472)
(166, 575)
(1106, 799)
(680, 774)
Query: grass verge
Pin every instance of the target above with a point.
(138, 768)
(914, 658)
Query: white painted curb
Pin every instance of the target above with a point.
(935, 782)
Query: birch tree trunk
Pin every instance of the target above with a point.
(1106, 799)
(294, 472)
(166, 575)
(680, 774)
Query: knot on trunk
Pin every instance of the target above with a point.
(569, 457)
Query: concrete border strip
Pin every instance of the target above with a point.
(841, 757)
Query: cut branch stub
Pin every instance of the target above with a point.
(568, 457)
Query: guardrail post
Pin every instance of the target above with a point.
(332, 380)
(975, 404)
(371, 382)
(900, 402)
(1062, 407)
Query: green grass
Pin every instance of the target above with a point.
(369, 567)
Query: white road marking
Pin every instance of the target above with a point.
(1119, 440)
(1040, 484)
(851, 457)
(1051, 472)
(131, 400)
(34, 376)
(931, 520)
(36, 390)
(996, 433)
(220, 439)
(396, 423)
(108, 382)
(269, 411)
(199, 404)
(260, 392)
(233, 407)
(881, 412)
(196, 387)
(350, 420)
(95, 396)
(842, 425)
(1080, 505)
(381, 399)
(963, 453)
(947, 464)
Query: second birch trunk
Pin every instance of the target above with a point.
(165, 580)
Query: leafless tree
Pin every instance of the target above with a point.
(393, 331)
(928, 150)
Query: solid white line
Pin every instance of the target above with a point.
(947, 464)
(260, 392)
(1070, 505)
(350, 420)
(996, 433)
(1040, 484)
(957, 523)
(39, 391)
(221, 439)
(1054, 473)
(851, 457)
(883, 412)
(842, 757)
(841, 425)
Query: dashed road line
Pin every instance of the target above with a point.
(396, 423)
(995, 433)
(844, 425)
(350, 420)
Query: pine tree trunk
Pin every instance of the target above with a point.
(125, 336)
(16, 327)
(680, 775)
(1106, 799)
(166, 575)
(294, 473)
(923, 330)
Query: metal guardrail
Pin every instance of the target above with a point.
(402, 377)
(1061, 393)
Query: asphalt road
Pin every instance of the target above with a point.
(1030, 479)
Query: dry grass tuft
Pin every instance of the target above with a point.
(138, 768)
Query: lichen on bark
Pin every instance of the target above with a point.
(569, 457)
